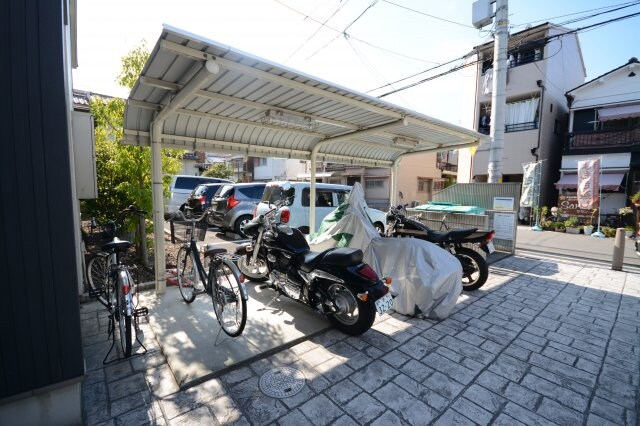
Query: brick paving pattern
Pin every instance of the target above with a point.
(544, 342)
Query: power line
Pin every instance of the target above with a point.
(546, 40)
(632, 3)
(426, 14)
(352, 37)
(422, 72)
(318, 30)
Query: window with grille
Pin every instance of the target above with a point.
(374, 183)
(424, 185)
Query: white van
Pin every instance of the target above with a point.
(328, 198)
(182, 186)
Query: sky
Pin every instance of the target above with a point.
(358, 44)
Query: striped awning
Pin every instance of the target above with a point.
(608, 181)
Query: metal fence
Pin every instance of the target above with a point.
(481, 195)
(505, 225)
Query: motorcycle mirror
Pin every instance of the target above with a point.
(287, 191)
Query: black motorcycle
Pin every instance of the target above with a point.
(475, 269)
(336, 282)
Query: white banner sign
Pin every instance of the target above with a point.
(529, 181)
(588, 184)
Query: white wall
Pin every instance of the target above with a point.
(613, 88)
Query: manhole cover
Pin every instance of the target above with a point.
(282, 382)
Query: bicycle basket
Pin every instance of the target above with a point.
(181, 231)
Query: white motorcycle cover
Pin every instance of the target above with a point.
(426, 278)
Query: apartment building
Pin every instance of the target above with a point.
(542, 65)
(604, 122)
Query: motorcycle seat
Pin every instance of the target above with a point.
(456, 234)
(335, 256)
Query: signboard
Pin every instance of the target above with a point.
(568, 205)
(503, 203)
(503, 226)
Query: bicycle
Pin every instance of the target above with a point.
(116, 288)
(224, 282)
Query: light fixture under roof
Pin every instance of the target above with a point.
(405, 142)
(284, 119)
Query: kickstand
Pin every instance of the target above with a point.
(112, 334)
(275, 298)
(216, 343)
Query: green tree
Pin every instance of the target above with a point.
(219, 170)
(123, 172)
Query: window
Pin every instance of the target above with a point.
(424, 185)
(521, 115)
(374, 183)
(438, 185)
(324, 198)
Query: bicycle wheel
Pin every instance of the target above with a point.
(187, 273)
(124, 323)
(98, 271)
(228, 296)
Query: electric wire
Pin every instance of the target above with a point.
(454, 69)
(633, 3)
(426, 14)
(317, 30)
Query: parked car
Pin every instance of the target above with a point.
(200, 198)
(232, 206)
(328, 197)
(182, 186)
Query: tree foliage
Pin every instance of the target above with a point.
(219, 170)
(123, 172)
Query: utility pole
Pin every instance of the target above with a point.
(499, 97)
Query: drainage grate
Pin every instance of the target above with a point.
(282, 382)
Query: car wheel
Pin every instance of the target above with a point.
(241, 222)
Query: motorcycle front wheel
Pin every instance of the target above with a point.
(258, 272)
(354, 316)
(475, 270)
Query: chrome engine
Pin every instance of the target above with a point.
(289, 288)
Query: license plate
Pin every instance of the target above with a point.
(490, 247)
(384, 303)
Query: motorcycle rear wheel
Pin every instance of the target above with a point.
(475, 270)
(355, 316)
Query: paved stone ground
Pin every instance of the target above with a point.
(542, 343)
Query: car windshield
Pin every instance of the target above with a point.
(273, 193)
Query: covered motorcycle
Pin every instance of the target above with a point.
(475, 269)
(426, 279)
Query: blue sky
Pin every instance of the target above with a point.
(385, 41)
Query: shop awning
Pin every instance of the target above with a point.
(318, 175)
(617, 113)
(608, 181)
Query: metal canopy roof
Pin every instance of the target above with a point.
(196, 94)
(209, 97)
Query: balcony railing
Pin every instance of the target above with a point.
(603, 139)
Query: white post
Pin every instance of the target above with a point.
(499, 97)
(598, 233)
(537, 227)
(158, 206)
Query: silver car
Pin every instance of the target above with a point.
(233, 205)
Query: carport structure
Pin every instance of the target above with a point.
(197, 94)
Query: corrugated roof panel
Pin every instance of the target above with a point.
(248, 86)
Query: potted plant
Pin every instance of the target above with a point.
(635, 199)
(571, 225)
(588, 227)
(628, 230)
(558, 226)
